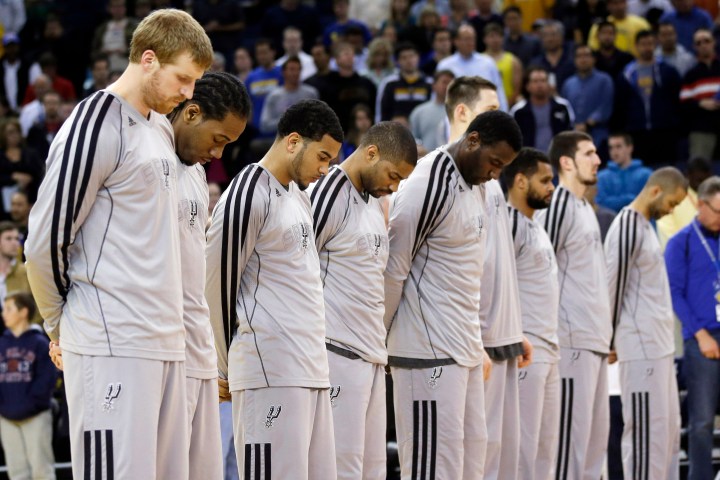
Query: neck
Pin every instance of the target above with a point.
(456, 131)
(518, 200)
(126, 87)
(352, 166)
(578, 189)
(670, 50)
(18, 330)
(466, 55)
(539, 101)
(346, 72)
(584, 73)
(624, 164)
(276, 163)
(291, 87)
(5, 264)
(641, 205)
(645, 63)
(607, 51)
(706, 60)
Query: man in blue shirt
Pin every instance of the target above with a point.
(687, 18)
(589, 91)
(693, 265)
(264, 78)
(624, 176)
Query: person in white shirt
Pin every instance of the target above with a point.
(293, 47)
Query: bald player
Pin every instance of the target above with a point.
(352, 243)
(644, 329)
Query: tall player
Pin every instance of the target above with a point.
(432, 297)
(584, 322)
(499, 303)
(266, 302)
(215, 116)
(530, 188)
(644, 329)
(104, 259)
(352, 243)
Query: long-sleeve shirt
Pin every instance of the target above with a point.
(591, 97)
(638, 288)
(432, 281)
(478, 64)
(584, 317)
(103, 252)
(691, 274)
(278, 101)
(263, 285)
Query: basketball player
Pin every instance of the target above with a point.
(352, 243)
(266, 302)
(644, 329)
(203, 126)
(432, 297)
(499, 303)
(530, 188)
(584, 323)
(103, 259)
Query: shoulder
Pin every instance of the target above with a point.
(521, 105)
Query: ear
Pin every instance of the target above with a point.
(520, 181)
(656, 192)
(567, 164)
(148, 60)
(293, 143)
(372, 155)
(192, 114)
(472, 141)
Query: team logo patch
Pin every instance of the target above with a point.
(272, 415)
(434, 376)
(131, 122)
(111, 394)
(334, 394)
(299, 234)
(374, 244)
(522, 375)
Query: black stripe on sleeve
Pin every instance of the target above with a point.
(627, 239)
(320, 219)
(435, 197)
(317, 198)
(514, 221)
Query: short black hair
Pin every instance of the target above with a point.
(526, 162)
(578, 46)
(644, 34)
(6, 226)
(526, 77)
(218, 94)
(311, 119)
(441, 30)
(605, 23)
(492, 28)
(565, 144)
(23, 299)
(291, 59)
(627, 138)
(496, 126)
(265, 41)
(394, 141)
(403, 46)
(440, 73)
(512, 9)
(465, 90)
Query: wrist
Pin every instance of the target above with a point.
(702, 334)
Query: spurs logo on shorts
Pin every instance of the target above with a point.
(575, 355)
(113, 392)
(522, 375)
(436, 373)
(272, 415)
(334, 393)
(649, 371)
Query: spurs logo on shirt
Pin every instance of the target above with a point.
(300, 235)
(374, 244)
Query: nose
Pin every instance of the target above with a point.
(187, 91)
(216, 152)
(324, 169)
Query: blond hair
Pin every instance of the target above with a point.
(169, 32)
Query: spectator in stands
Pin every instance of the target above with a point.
(466, 62)
(243, 63)
(20, 206)
(41, 134)
(223, 21)
(670, 51)
(143, 8)
(427, 120)
(589, 12)
(335, 31)
(605, 216)
(399, 94)
(481, 18)
(293, 46)
(459, 15)
(100, 75)
(691, 259)
(30, 113)
(264, 78)
(590, 93)
(399, 17)
(360, 123)
(218, 63)
(624, 176)
(687, 19)
(698, 97)
(285, 96)
(442, 7)
(113, 36)
(379, 63)
(63, 86)
(627, 27)
(647, 103)
(649, 9)
(12, 13)
(290, 13)
(523, 46)
(13, 276)
(508, 64)
(373, 14)
(555, 57)
(345, 87)
(27, 382)
(608, 58)
(321, 58)
(441, 48)
(21, 168)
(698, 169)
(14, 72)
(532, 11)
(422, 33)
(541, 115)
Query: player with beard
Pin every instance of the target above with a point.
(266, 302)
(644, 329)
(530, 188)
(215, 116)
(352, 243)
(584, 322)
(103, 259)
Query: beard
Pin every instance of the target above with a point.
(297, 163)
(587, 181)
(537, 202)
(154, 99)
